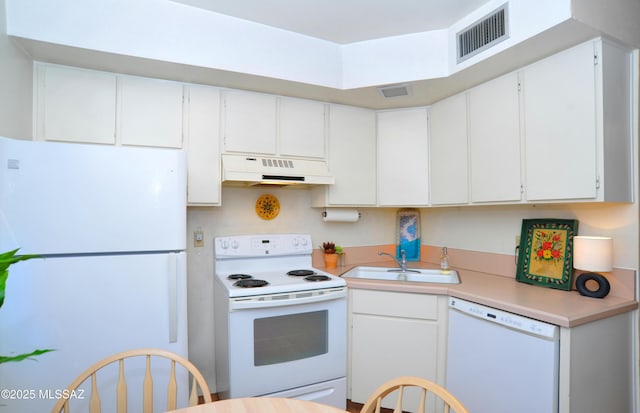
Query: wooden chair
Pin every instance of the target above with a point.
(121, 390)
(373, 404)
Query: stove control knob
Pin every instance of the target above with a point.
(235, 244)
(224, 244)
(295, 242)
(303, 242)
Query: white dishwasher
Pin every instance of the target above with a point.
(500, 362)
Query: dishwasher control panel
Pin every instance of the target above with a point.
(505, 318)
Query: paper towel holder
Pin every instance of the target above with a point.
(325, 213)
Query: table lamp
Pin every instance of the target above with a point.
(593, 254)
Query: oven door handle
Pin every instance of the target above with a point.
(286, 299)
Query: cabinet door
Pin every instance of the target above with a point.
(203, 146)
(150, 112)
(352, 156)
(249, 122)
(302, 128)
(384, 348)
(403, 158)
(494, 140)
(76, 105)
(560, 126)
(448, 151)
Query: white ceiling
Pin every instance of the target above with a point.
(346, 21)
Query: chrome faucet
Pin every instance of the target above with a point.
(402, 262)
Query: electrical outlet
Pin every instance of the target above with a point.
(198, 238)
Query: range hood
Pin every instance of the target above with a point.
(267, 170)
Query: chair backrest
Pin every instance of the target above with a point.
(400, 384)
(147, 391)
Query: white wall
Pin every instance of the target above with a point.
(173, 32)
(494, 229)
(15, 86)
(618, 18)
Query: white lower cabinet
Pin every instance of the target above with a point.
(395, 334)
(398, 334)
(596, 372)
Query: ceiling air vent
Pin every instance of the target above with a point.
(483, 34)
(394, 91)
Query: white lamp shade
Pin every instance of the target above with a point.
(593, 253)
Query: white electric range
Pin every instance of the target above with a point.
(281, 325)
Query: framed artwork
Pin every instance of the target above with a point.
(408, 233)
(545, 256)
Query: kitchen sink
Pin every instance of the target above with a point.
(395, 274)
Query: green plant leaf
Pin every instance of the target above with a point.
(20, 357)
(9, 257)
(4, 274)
(6, 259)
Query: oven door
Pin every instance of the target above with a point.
(286, 341)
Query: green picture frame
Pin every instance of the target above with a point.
(545, 255)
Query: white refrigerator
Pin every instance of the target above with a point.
(109, 225)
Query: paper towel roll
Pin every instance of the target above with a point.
(340, 215)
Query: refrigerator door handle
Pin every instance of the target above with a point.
(173, 298)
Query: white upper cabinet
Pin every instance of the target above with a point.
(448, 158)
(403, 157)
(267, 124)
(494, 140)
(576, 125)
(79, 105)
(75, 105)
(150, 112)
(352, 158)
(302, 128)
(249, 122)
(202, 144)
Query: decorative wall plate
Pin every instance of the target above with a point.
(267, 207)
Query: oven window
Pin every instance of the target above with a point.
(290, 337)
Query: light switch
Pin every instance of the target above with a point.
(198, 238)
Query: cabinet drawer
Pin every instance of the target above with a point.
(395, 304)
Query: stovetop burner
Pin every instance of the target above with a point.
(300, 273)
(317, 277)
(239, 277)
(250, 283)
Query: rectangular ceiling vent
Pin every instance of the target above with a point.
(394, 91)
(483, 34)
